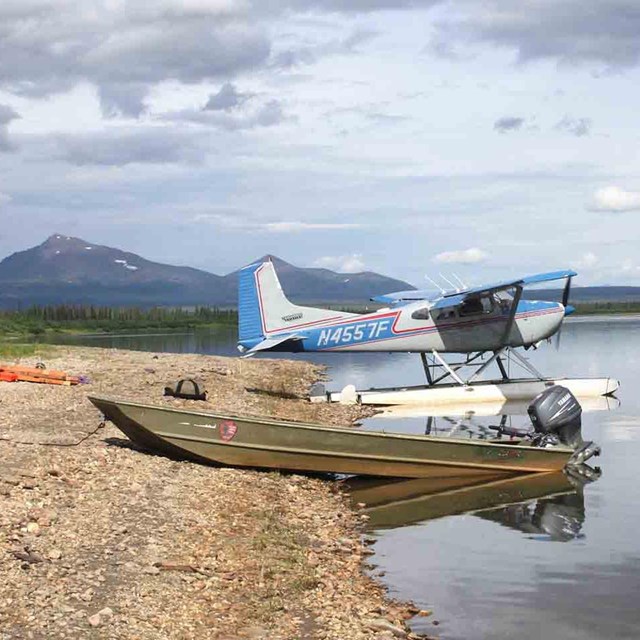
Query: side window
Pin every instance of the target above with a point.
(487, 304)
(421, 314)
(446, 314)
(476, 306)
(471, 307)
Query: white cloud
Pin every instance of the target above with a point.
(629, 267)
(293, 227)
(4, 198)
(466, 256)
(343, 264)
(614, 198)
(588, 260)
(246, 221)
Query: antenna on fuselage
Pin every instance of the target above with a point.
(435, 284)
(464, 286)
(453, 286)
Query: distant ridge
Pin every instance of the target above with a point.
(68, 270)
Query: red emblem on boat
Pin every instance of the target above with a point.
(228, 429)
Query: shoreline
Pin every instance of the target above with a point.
(99, 539)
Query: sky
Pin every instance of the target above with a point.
(413, 138)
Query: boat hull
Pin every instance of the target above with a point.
(271, 444)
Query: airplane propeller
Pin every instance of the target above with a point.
(566, 292)
(565, 303)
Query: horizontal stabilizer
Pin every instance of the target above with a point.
(270, 343)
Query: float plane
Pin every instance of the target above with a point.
(484, 323)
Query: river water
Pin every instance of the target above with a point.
(556, 560)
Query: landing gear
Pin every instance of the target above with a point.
(437, 369)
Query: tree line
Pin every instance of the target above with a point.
(39, 319)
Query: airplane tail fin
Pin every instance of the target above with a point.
(264, 310)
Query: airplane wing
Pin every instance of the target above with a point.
(269, 343)
(507, 284)
(455, 297)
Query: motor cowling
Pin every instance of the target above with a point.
(557, 412)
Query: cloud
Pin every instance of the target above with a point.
(588, 260)
(122, 98)
(466, 256)
(226, 99)
(125, 48)
(342, 264)
(575, 126)
(615, 199)
(268, 114)
(247, 221)
(385, 118)
(309, 54)
(508, 123)
(4, 198)
(294, 227)
(568, 31)
(122, 146)
(347, 6)
(7, 114)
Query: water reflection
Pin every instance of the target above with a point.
(550, 504)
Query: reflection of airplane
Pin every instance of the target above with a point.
(399, 502)
(472, 321)
(483, 409)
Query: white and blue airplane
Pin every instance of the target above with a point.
(472, 321)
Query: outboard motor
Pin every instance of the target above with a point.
(557, 412)
(556, 416)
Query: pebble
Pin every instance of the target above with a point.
(94, 620)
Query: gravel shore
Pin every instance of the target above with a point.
(101, 540)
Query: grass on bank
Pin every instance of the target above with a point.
(13, 351)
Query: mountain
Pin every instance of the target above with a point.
(70, 270)
(322, 285)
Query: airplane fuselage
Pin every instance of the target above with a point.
(414, 327)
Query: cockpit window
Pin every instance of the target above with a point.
(477, 306)
(421, 314)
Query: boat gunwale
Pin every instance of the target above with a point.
(350, 430)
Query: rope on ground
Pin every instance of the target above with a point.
(58, 444)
